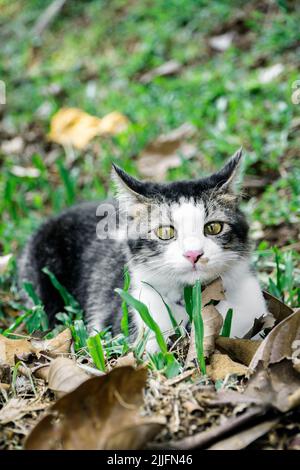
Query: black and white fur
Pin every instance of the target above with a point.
(91, 268)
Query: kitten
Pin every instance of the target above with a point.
(169, 235)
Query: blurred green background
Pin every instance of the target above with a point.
(235, 67)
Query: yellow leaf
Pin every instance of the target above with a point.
(113, 123)
(72, 126)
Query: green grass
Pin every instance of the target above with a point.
(227, 323)
(95, 349)
(198, 325)
(92, 57)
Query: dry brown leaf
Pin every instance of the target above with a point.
(213, 322)
(214, 291)
(168, 68)
(278, 309)
(221, 365)
(65, 375)
(16, 408)
(9, 348)
(72, 126)
(278, 312)
(21, 348)
(61, 344)
(128, 360)
(240, 350)
(283, 342)
(277, 386)
(102, 413)
(166, 152)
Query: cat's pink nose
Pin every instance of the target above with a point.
(193, 255)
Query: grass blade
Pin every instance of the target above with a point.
(68, 183)
(198, 325)
(175, 325)
(29, 289)
(18, 322)
(68, 298)
(79, 334)
(227, 324)
(144, 313)
(96, 351)
(188, 300)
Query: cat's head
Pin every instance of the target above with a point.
(184, 230)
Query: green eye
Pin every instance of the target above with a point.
(213, 228)
(165, 233)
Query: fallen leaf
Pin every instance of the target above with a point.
(171, 67)
(128, 360)
(214, 291)
(9, 348)
(65, 375)
(102, 413)
(221, 365)
(60, 344)
(113, 123)
(4, 261)
(278, 309)
(72, 126)
(213, 322)
(283, 342)
(278, 386)
(15, 408)
(222, 42)
(240, 350)
(166, 152)
(21, 348)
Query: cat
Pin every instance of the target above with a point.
(167, 234)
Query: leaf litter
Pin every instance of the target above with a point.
(251, 389)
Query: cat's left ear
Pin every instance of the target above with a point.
(229, 177)
(129, 189)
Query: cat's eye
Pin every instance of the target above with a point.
(165, 232)
(213, 228)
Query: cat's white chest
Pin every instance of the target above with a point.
(242, 292)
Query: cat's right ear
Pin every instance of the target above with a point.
(129, 189)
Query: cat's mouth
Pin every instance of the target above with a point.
(202, 262)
